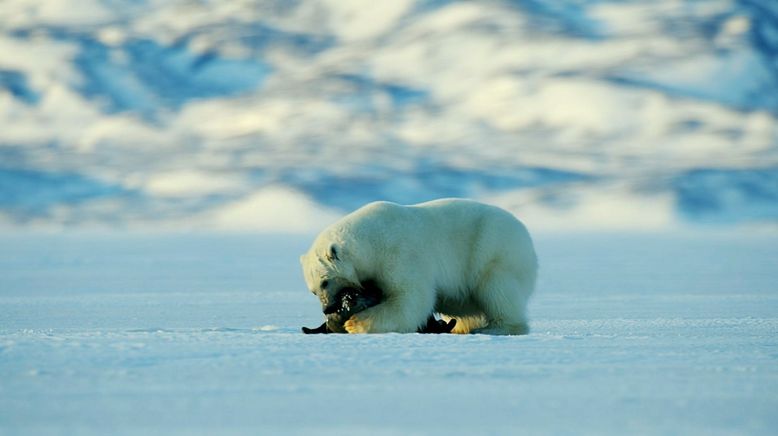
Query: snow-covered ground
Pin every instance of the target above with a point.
(266, 114)
(105, 333)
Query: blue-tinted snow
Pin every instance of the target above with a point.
(199, 334)
(346, 106)
(31, 192)
(15, 82)
(150, 76)
(427, 181)
(727, 195)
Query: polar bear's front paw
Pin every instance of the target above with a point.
(355, 325)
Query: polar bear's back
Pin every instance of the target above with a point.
(466, 220)
(482, 230)
(462, 233)
(468, 217)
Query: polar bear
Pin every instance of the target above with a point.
(460, 258)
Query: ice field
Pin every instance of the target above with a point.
(200, 334)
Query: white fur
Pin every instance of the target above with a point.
(459, 258)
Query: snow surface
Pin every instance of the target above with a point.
(196, 114)
(104, 333)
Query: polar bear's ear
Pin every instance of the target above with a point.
(332, 253)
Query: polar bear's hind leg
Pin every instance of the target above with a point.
(503, 299)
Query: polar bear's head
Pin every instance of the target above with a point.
(327, 271)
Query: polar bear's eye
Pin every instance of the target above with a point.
(324, 283)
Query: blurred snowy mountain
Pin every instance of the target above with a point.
(280, 115)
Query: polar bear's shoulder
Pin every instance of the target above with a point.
(377, 210)
(380, 206)
(367, 221)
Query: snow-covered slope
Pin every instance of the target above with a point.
(280, 115)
